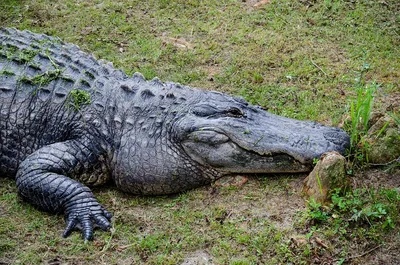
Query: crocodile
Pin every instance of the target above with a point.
(70, 122)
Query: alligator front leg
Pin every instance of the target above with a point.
(42, 180)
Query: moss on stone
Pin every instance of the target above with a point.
(383, 140)
(385, 148)
(329, 174)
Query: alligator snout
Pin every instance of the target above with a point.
(302, 140)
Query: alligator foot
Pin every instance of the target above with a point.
(83, 215)
(42, 179)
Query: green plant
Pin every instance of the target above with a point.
(316, 212)
(319, 182)
(6, 73)
(360, 113)
(42, 79)
(77, 98)
(354, 210)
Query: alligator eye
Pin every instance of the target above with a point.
(204, 111)
(212, 112)
(234, 112)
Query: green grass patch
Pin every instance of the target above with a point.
(365, 213)
(41, 79)
(78, 98)
(6, 72)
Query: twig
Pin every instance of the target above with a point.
(122, 248)
(316, 65)
(386, 164)
(362, 254)
(320, 242)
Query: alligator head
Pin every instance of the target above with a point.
(233, 136)
(194, 136)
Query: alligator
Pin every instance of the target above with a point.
(70, 122)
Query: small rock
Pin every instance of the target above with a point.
(375, 116)
(384, 140)
(328, 174)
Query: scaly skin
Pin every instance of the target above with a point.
(68, 120)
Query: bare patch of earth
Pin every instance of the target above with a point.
(199, 257)
(278, 202)
(377, 178)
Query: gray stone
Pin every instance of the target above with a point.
(328, 174)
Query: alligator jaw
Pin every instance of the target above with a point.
(262, 142)
(213, 148)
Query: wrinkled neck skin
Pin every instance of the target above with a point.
(147, 158)
(168, 138)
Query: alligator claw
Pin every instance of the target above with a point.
(70, 226)
(83, 217)
(107, 214)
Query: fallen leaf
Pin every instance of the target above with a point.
(122, 248)
(180, 43)
(261, 3)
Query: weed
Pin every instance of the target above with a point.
(319, 182)
(396, 117)
(77, 98)
(6, 72)
(25, 56)
(10, 51)
(41, 80)
(18, 55)
(316, 211)
(360, 112)
(354, 210)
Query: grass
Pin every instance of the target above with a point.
(354, 216)
(294, 58)
(360, 112)
(78, 98)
